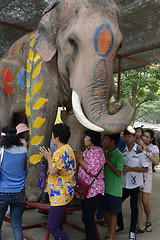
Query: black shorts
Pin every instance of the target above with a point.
(111, 204)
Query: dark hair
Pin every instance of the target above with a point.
(10, 138)
(115, 137)
(151, 133)
(140, 129)
(95, 137)
(62, 131)
(126, 132)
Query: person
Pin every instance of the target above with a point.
(44, 198)
(61, 179)
(23, 134)
(135, 163)
(121, 144)
(152, 152)
(113, 178)
(91, 162)
(99, 215)
(12, 179)
(139, 134)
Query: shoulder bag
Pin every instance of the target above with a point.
(82, 187)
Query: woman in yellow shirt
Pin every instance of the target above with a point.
(61, 179)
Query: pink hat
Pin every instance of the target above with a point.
(22, 127)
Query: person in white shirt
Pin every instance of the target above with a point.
(135, 162)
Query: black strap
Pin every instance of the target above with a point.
(94, 178)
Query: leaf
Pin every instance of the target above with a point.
(36, 58)
(36, 140)
(35, 158)
(31, 43)
(40, 103)
(27, 98)
(36, 70)
(30, 55)
(38, 122)
(28, 66)
(27, 83)
(37, 87)
(28, 111)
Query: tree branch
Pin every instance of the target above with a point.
(140, 116)
(145, 100)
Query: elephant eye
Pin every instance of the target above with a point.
(73, 43)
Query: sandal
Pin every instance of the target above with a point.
(148, 224)
(106, 237)
(139, 230)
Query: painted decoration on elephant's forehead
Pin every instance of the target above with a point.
(7, 80)
(21, 78)
(103, 40)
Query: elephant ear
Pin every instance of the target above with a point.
(45, 41)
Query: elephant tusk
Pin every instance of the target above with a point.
(80, 115)
(112, 99)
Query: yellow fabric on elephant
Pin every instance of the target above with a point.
(61, 185)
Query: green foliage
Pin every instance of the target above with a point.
(140, 85)
(149, 112)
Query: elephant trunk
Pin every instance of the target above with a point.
(100, 120)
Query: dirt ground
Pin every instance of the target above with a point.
(33, 216)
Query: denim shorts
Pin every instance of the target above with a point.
(111, 204)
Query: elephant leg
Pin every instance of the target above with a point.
(77, 132)
(40, 135)
(32, 190)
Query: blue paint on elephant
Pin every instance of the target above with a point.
(96, 40)
(21, 78)
(95, 106)
(105, 125)
(101, 61)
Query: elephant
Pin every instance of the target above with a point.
(68, 62)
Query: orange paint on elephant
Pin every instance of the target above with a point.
(104, 40)
(99, 92)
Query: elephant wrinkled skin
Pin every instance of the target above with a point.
(70, 57)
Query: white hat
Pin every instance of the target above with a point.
(130, 129)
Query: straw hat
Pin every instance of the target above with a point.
(22, 127)
(130, 129)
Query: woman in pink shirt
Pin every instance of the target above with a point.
(90, 163)
(152, 153)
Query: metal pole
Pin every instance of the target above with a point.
(119, 76)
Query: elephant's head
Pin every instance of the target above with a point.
(85, 35)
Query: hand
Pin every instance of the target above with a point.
(144, 147)
(78, 156)
(105, 154)
(148, 150)
(46, 153)
(126, 169)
